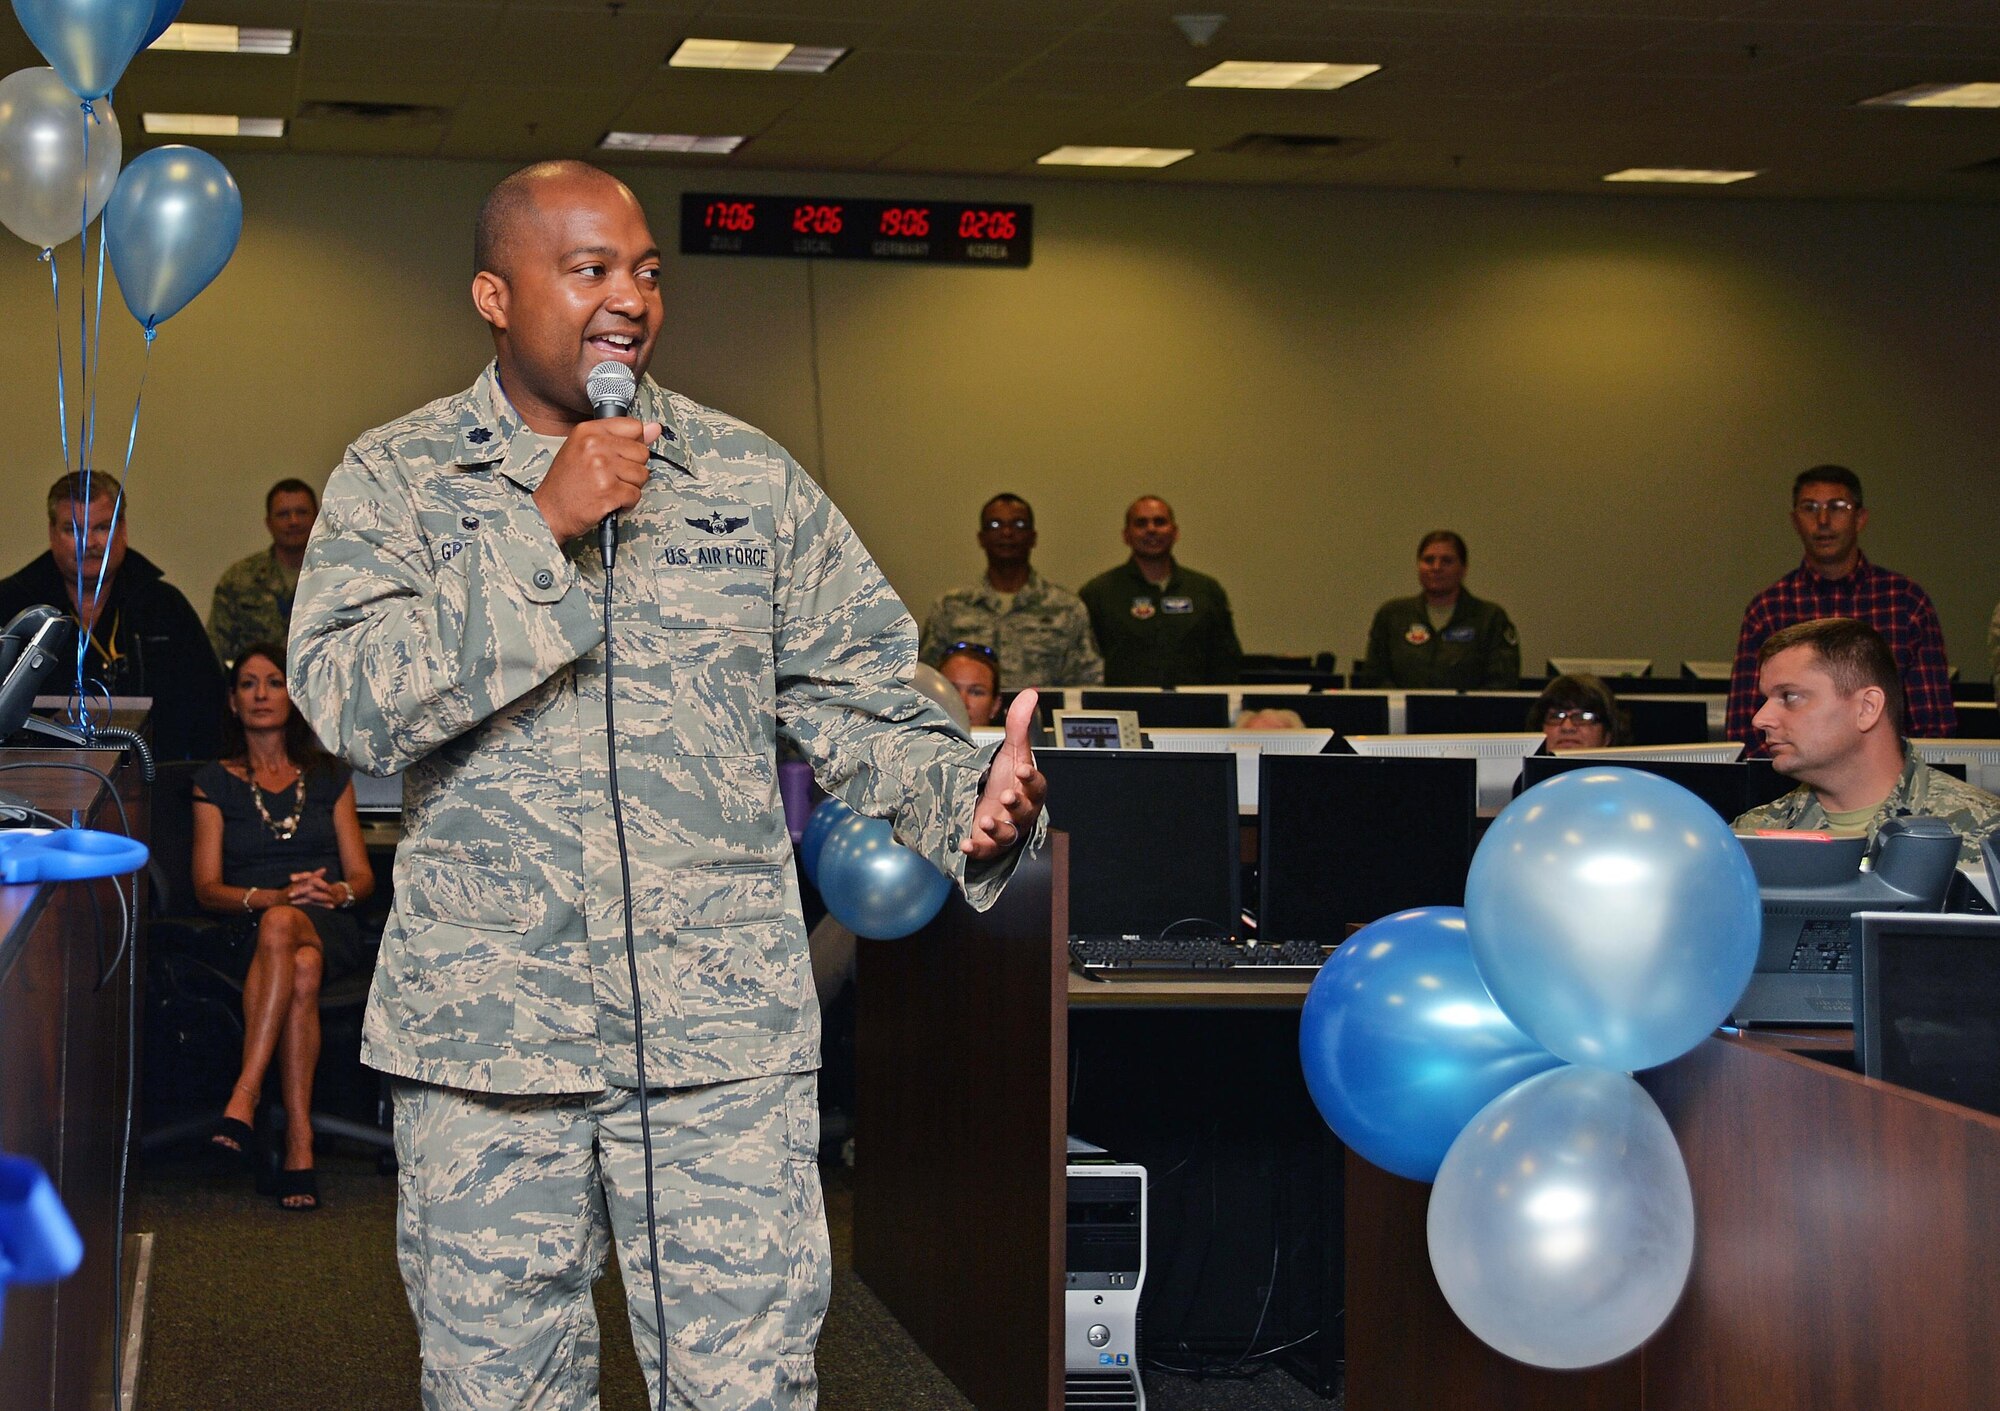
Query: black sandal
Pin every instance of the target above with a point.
(231, 1145)
(290, 1185)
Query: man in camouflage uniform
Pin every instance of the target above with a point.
(1040, 632)
(253, 598)
(1833, 719)
(450, 625)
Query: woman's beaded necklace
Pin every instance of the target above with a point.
(283, 829)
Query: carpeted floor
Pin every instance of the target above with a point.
(252, 1307)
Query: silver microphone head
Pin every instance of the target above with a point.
(611, 385)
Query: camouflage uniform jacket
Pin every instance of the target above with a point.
(252, 603)
(1972, 812)
(1043, 639)
(441, 631)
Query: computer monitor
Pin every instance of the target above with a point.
(1810, 888)
(1672, 722)
(378, 796)
(1344, 840)
(1349, 712)
(1708, 752)
(1498, 756)
(1981, 759)
(1246, 745)
(1928, 1016)
(1978, 721)
(1716, 671)
(1721, 785)
(1498, 712)
(1154, 840)
(1610, 668)
(1165, 709)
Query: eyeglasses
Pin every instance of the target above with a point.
(1563, 715)
(1812, 509)
(979, 648)
(1022, 525)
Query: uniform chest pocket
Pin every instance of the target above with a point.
(713, 575)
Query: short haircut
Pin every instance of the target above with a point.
(290, 487)
(1142, 500)
(1581, 692)
(976, 652)
(992, 500)
(1829, 475)
(1445, 536)
(1853, 654)
(68, 489)
(510, 202)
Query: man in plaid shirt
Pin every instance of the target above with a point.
(1837, 580)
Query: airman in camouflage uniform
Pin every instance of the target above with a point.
(450, 625)
(1039, 632)
(253, 598)
(1972, 812)
(1833, 718)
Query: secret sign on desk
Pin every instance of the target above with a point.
(842, 228)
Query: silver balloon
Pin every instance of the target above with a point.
(1561, 1225)
(44, 175)
(1613, 916)
(931, 682)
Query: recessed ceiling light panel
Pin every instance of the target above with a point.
(1683, 176)
(1243, 73)
(1114, 156)
(223, 39)
(1939, 95)
(211, 125)
(754, 57)
(667, 142)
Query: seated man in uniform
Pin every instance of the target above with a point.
(1832, 719)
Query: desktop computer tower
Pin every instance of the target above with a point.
(1104, 1271)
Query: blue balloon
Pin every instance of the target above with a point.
(1613, 916)
(87, 42)
(828, 816)
(165, 12)
(873, 885)
(1401, 1044)
(171, 225)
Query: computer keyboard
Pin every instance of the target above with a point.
(1193, 953)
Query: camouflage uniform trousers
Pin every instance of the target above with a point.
(507, 1207)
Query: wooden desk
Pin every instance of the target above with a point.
(63, 1081)
(1846, 1231)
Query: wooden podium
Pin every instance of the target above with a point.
(1846, 1232)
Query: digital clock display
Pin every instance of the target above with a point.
(837, 228)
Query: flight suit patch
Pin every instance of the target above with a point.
(1142, 608)
(1177, 605)
(1416, 634)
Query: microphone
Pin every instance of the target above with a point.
(611, 388)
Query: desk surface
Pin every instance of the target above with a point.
(1186, 992)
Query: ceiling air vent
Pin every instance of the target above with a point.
(1309, 146)
(375, 114)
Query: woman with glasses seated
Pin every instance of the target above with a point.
(277, 846)
(1578, 713)
(975, 670)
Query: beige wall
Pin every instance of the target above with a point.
(1607, 397)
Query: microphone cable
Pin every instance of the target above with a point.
(608, 547)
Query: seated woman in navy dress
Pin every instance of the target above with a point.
(277, 844)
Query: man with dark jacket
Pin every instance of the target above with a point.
(142, 638)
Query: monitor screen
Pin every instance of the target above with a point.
(1154, 840)
(1425, 713)
(1164, 709)
(1929, 1010)
(1346, 839)
(1723, 787)
(373, 794)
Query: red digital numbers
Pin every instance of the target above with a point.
(986, 225)
(739, 216)
(816, 220)
(908, 222)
